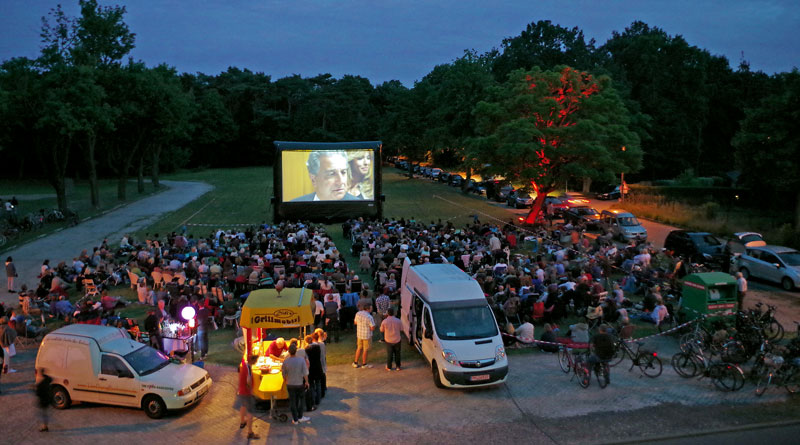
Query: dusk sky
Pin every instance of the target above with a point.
(393, 39)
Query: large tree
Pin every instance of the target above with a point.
(545, 127)
(768, 144)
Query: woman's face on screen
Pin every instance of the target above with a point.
(362, 163)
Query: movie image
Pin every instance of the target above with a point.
(328, 175)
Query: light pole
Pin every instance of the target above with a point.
(622, 185)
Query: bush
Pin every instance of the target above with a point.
(788, 236)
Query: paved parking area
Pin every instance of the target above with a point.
(373, 405)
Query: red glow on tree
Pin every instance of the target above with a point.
(567, 95)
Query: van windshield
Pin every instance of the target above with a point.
(628, 221)
(464, 323)
(146, 360)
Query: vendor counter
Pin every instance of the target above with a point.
(267, 377)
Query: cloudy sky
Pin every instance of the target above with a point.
(404, 39)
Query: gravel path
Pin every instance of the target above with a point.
(68, 243)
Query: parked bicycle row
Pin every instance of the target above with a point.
(13, 225)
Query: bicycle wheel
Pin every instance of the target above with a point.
(650, 365)
(583, 373)
(601, 371)
(773, 331)
(619, 355)
(791, 379)
(684, 365)
(563, 360)
(763, 383)
(726, 377)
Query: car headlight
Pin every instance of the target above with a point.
(185, 391)
(499, 352)
(450, 356)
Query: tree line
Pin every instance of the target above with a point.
(84, 109)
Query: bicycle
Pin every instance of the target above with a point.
(647, 361)
(726, 376)
(773, 330)
(778, 372)
(569, 361)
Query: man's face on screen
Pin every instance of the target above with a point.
(330, 182)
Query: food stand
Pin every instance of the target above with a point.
(267, 309)
(712, 294)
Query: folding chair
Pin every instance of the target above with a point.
(24, 338)
(232, 320)
(538, 311)
(158, 279)
(89, 288)
(133, 278)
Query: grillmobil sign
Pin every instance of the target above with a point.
(281, 316)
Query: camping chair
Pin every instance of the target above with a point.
(24, 338)
(511, 309)
(355, 286)
(90, 289)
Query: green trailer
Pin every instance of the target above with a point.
(712, 294)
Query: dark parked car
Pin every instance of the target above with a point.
(583, 215)
(613, 194)
(456, 180)
(698, 247)
(519, 199)
(445, 177)
(479, 188)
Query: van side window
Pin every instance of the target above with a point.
(111, 365)
(428, 325)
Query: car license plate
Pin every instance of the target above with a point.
(479, 378)
(202, 392)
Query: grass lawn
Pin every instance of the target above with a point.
(78, 201)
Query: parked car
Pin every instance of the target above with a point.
(456, 180)
(583, 215)
(503, 192)
(622, 225)
(444, 177)
(435, 172)
(519, 199)
(494, 189)
(613, 194)
(698, 247)
(558, 206)
(571, 200)
(772, 263)
(479, 188)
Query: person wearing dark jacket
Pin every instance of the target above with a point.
(43, 397)
(314, 355)
(11, 273)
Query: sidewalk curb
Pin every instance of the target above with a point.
(754, 426)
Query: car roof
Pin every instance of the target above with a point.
(774, 249)
(618, 212)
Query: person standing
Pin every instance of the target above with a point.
(203, 323)
(314, 356)
(382, 304)
(7, 337)
(244, 397)
(741, 289)
(365, 324)
(320, 337)
(391, 327)
(332, 317)
(42, 389)
(11, 273)
(295, 374)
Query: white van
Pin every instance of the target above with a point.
(623, 225)
(447, 318)
(101, 364)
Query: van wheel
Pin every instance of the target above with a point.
(787, 284)
(437, 379)
(154, 407)
(60, 397)
(745, 273)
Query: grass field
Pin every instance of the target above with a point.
(78, 201)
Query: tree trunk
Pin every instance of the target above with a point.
(587, 184)
(94, 188)
(140, 176)
(536, 208)
(61, 193)
(465, 185)
(122, 187)
(154, 171)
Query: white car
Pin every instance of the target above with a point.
(101, 364)
(772, 263)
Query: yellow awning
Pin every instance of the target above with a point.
(265, 309)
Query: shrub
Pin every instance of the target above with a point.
(788, 236)
(710, 210)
